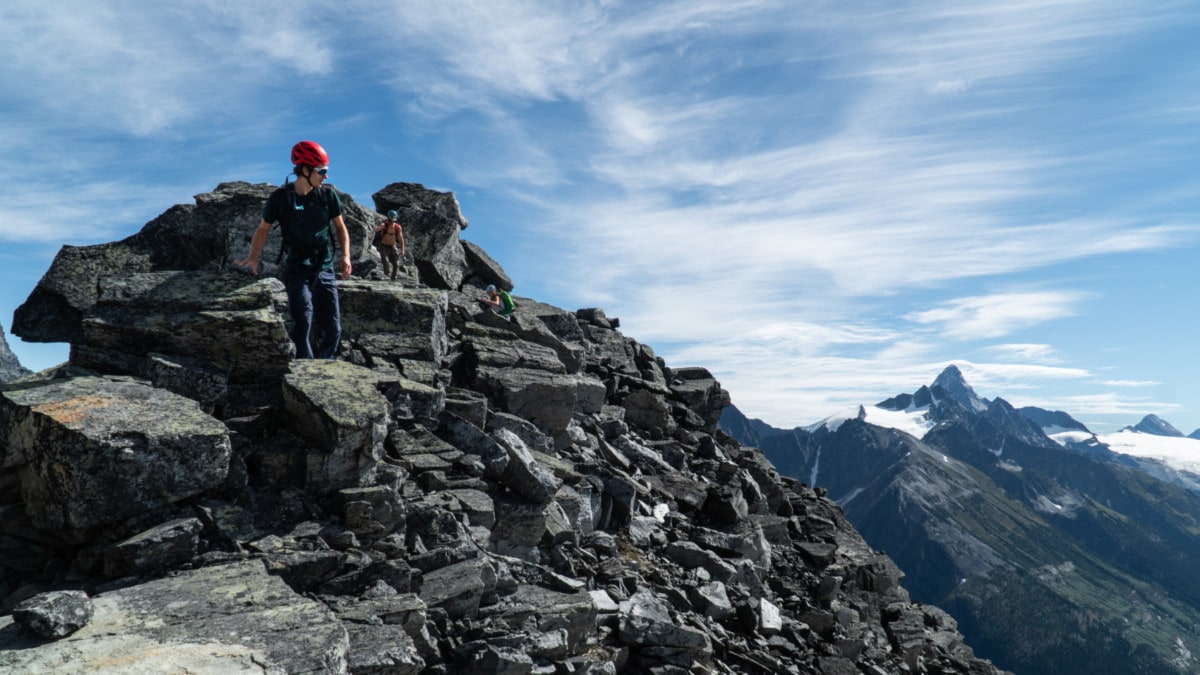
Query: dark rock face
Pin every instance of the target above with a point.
(456, 493)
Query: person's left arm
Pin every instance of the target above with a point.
(339, 228)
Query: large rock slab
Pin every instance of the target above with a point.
(231, 321)
(231, 618)
(485, 270)
(569, 615)
(400, 323)
(459, 588)
(53, 312)
(546, 399)
(701, 392)
(93, 450)
(524, 474)
(161, 547)
(337, 407)
(533, 338)
(646, 621)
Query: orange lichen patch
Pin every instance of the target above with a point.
(73, 410)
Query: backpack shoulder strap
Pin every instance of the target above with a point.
(284, 210)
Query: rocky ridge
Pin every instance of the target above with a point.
(456, 493)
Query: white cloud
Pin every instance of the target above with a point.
(999, 314)
(95, 212)
(944, 87)
(1037, 353)
(145, 69)
(1130, 383)
(1109, 403)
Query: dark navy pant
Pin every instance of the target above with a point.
(313, 300)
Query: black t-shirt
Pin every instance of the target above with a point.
(305, 221)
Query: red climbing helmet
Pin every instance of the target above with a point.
(309, 153)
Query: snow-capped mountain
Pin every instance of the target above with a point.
(1153, 444)
(1041, 537)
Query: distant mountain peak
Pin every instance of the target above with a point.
(951, 379)
(1157, 426)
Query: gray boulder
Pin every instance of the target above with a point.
(523, 474)
(646, 621)
(54, 615)
(92, 450)
(546, 399)
(162, 547)
(337, 407)
(394, 323)
(485, 270)
(230, 323)
(701, 392)
(382, 649)
(569, 617)
(459, 588)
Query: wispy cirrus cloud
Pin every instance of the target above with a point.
(710, 210)
(998, 314)
(1130, 383)
(145, 70)
(1032, 353)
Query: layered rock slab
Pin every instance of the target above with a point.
(93, 450)
(232, 618)
(337, 407)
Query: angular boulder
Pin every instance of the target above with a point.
(93, 450)
(546, 399)
(398, 323)
(701, 392)
(54, 615)
(337, 407)
(646, 621)
(161, 547)
(230, 322)
(460, 587)
(484, 269)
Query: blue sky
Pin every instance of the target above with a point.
(824, 203)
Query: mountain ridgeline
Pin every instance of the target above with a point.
(1054, 551)
(456, 493)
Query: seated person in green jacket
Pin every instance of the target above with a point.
(500, 301)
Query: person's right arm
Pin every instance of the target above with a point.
(256, 247)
